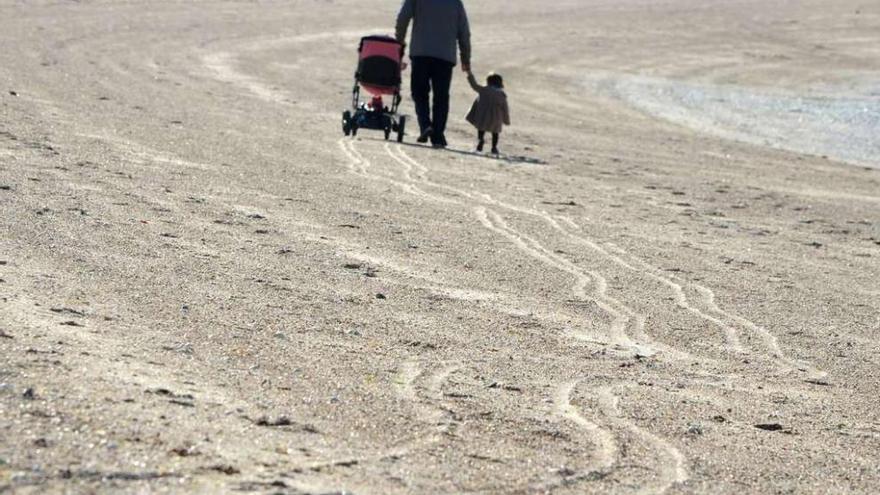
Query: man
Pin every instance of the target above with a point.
(438, 26)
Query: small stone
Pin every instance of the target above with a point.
(694, 429)
(380, 296)
(29, 394)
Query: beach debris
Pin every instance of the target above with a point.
(226, 469)
(719, 419)
(352, 266)
(380, 296)
(769, 426)
(13, 93)
(186, 451)
(70, 311)
(4, 187)
(4, 335)
(279, 421)
(503, 386)
(71, 323)
(815, 244)
(180, 399)
(818, 381)
(29, 394)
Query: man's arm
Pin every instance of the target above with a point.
(403, 17)
(464, 39)
(473, 82)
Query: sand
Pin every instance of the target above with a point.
(664, 285)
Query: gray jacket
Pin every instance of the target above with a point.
(437, 26)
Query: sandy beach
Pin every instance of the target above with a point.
(668, 283)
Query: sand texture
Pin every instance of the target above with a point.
(669, 281)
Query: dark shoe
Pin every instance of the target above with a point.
(425, 135)
(480, 147)
(495, 151)
(438, 141)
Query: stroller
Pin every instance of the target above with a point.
(378, 72)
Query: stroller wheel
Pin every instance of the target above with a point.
(387, 133)
(346, 122)
(401, 127)
(354, 129)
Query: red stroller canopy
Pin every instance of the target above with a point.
(379, 65)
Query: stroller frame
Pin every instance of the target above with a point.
(379, 73)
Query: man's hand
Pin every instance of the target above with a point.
(466, 68)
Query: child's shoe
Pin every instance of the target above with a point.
(480, 146)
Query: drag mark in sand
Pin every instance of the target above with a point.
(360, 166)
(606, 446)
(493, 222)
(672, 463)
(681, 300)
(223, 68)
(620, 312)
(707, 296)
(409, 376)
(222, 64)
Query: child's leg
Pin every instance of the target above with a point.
(495, 137)
(481, 138)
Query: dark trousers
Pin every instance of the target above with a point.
(431, 74)
(481, 138)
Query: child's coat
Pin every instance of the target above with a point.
(489, 113)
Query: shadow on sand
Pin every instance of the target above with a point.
(513, 159)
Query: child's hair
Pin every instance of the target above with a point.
(495, 80)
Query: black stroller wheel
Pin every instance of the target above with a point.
(387, 133)
(346, 122)
(354, 129)
(401, 127)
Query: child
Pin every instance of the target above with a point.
(489, 113)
